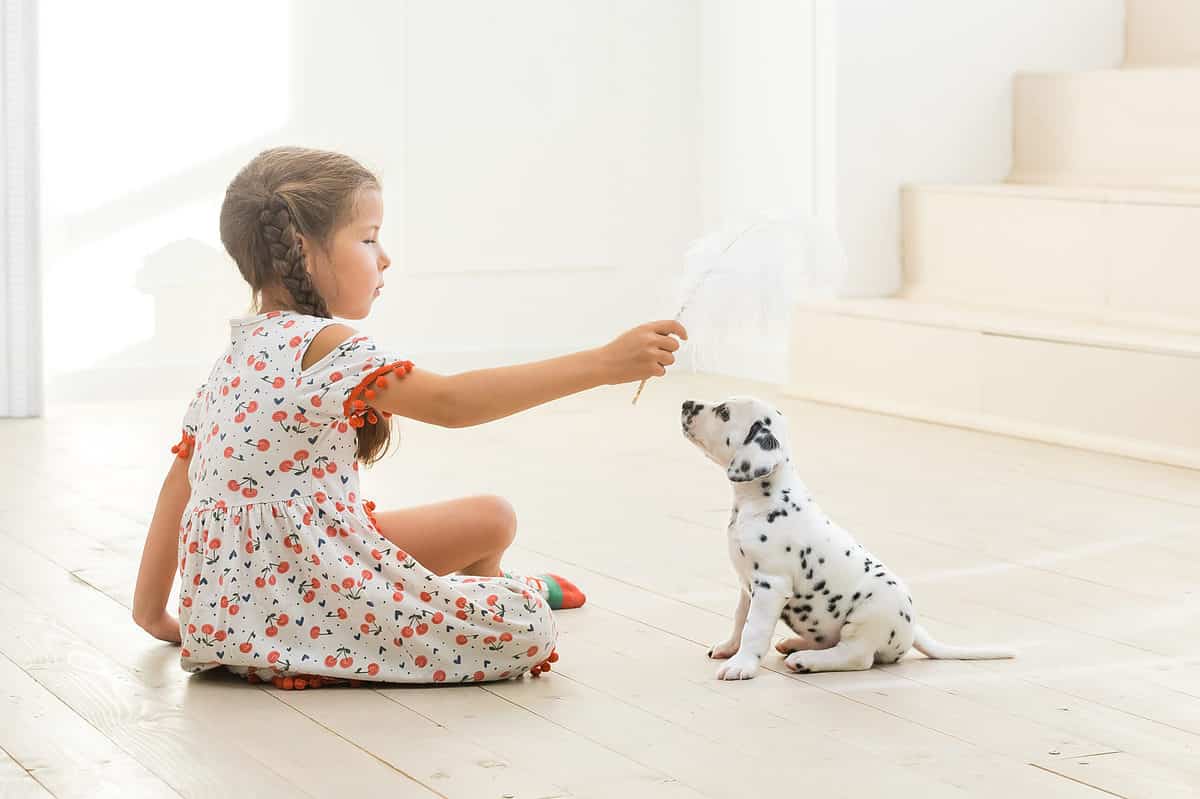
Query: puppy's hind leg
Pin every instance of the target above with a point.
(799, 644)
(854, 652)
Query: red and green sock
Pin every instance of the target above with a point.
(559, 592)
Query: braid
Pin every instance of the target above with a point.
(287, 257)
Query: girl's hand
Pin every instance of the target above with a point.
(164, 628)
(644, 352)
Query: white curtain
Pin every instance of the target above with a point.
(20, 301)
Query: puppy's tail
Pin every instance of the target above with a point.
(927, 645)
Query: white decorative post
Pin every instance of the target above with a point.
(20, 297)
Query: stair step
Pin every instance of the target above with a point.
(1116, 255)
(1109, 388)
(1131, 127)
(1162, 33)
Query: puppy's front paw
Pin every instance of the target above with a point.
(723, 650)
(740, 667)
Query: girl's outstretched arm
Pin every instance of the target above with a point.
(159, 563)
(484, 395)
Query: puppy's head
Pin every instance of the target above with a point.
(743, 435)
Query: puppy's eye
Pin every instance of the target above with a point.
(727, 442)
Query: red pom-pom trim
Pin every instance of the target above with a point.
(369, 507)
(355, 408)
(184, 448)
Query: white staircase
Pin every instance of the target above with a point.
(1110, 127)
(1162, 33)
(1064, 304)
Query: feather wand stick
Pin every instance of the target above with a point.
(761, 272)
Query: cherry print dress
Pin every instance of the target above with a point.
(283, 567)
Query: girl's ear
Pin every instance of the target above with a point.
(315, 259)
(756, 457)
(308, 253)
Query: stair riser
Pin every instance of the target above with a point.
(1125, 402)
(1162, 33)
(1111, 128)
(1108, 259)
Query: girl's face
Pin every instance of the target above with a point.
(350, 274)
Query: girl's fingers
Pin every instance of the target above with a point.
(668, 327)
(668, 343)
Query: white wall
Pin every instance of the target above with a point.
(757, 91)
(924, 94)
(148, 110)
(540, 163)
(760, 110)
(545, 162)
(551, 173)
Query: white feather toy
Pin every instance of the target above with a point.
(754, 274)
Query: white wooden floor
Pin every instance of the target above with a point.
(1089, 564)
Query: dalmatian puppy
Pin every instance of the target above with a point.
(847, 609)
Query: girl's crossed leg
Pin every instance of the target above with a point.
(468, 536)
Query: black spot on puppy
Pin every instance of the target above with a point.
(761, 437)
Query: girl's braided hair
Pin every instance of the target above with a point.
(283, 194)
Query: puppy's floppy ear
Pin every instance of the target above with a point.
(757, 456)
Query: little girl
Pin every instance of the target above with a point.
(288, 573)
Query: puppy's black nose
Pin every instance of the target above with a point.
(688, 405)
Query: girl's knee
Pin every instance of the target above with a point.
(500, 519)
